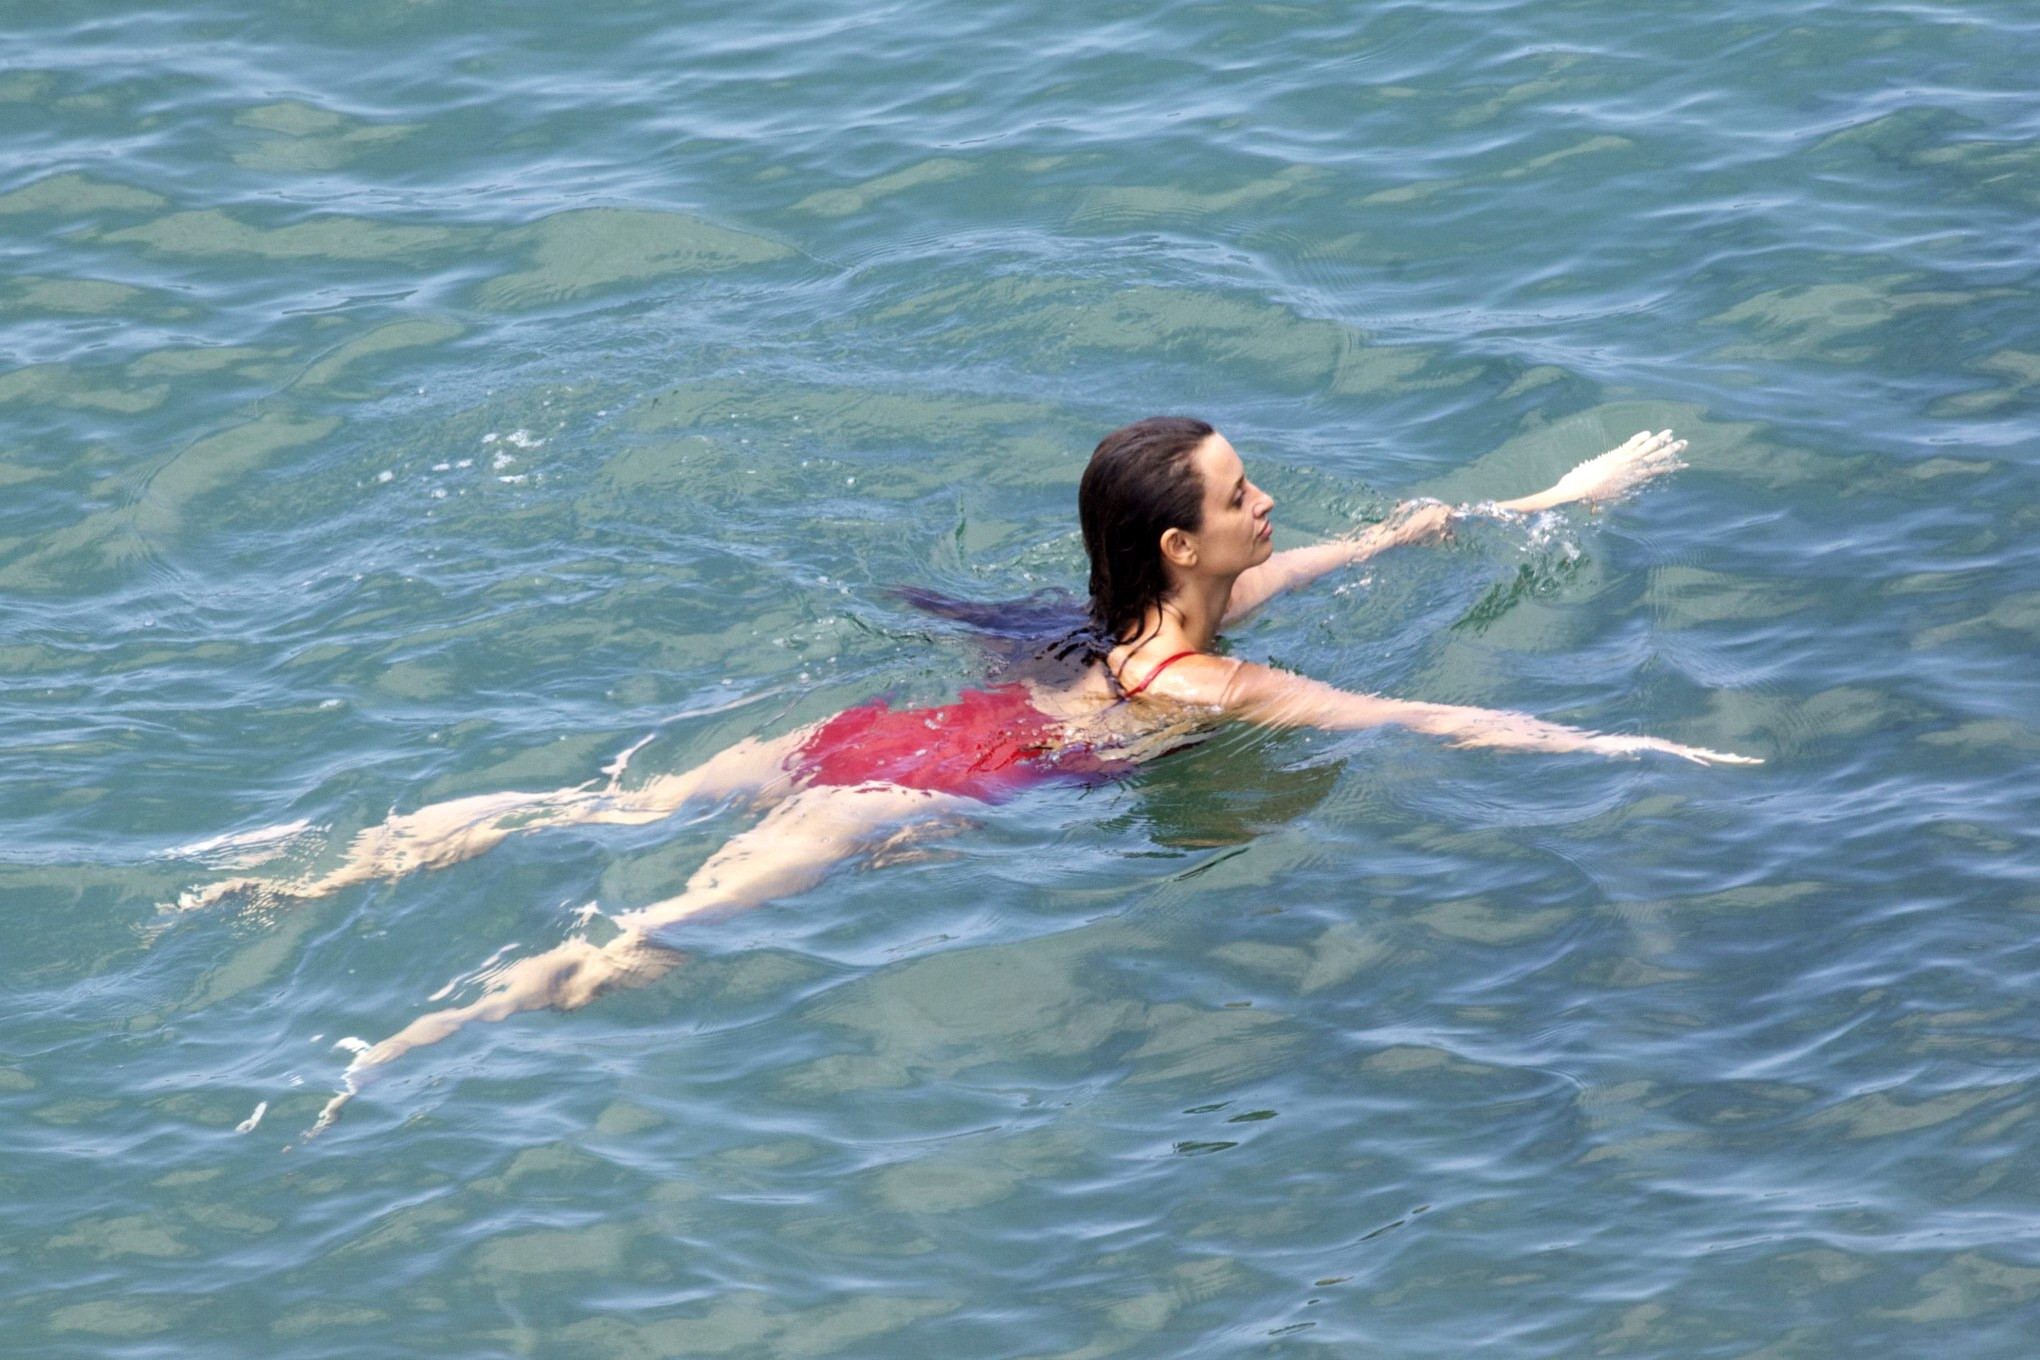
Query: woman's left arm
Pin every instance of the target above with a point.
(1409, 522)
(1272, 698)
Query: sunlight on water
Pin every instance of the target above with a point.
(397, 410)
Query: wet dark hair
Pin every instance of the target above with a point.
(1139, 485)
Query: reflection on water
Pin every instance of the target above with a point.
(1227, 791)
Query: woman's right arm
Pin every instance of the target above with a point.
(1272, 698)
(1618, 471)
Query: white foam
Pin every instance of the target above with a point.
(253, 1121)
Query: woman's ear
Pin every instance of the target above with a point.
(1179, 549)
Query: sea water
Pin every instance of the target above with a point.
(406, 400)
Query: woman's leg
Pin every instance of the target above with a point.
(789, 851)
(450, 832)
(792, 848)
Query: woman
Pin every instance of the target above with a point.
(1180, 544)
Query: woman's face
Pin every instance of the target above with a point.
(1237, 532)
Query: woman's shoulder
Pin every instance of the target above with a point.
(1200, 678)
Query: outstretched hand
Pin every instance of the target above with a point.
(1620, 470)
(1699, 755)
(1508, 730)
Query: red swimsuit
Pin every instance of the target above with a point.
(988, 745)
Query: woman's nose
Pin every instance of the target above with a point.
(1267, 502)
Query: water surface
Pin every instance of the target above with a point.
(402, 401)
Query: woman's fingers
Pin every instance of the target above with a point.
(1664, 459)
(1649, 455)
(1644, 445)
(1647, 447)
(1646, 454)
(1699, 755)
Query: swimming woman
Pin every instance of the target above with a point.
(1180, 544)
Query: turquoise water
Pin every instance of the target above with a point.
(405, 400)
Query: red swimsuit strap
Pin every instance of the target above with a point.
(1157, 671)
